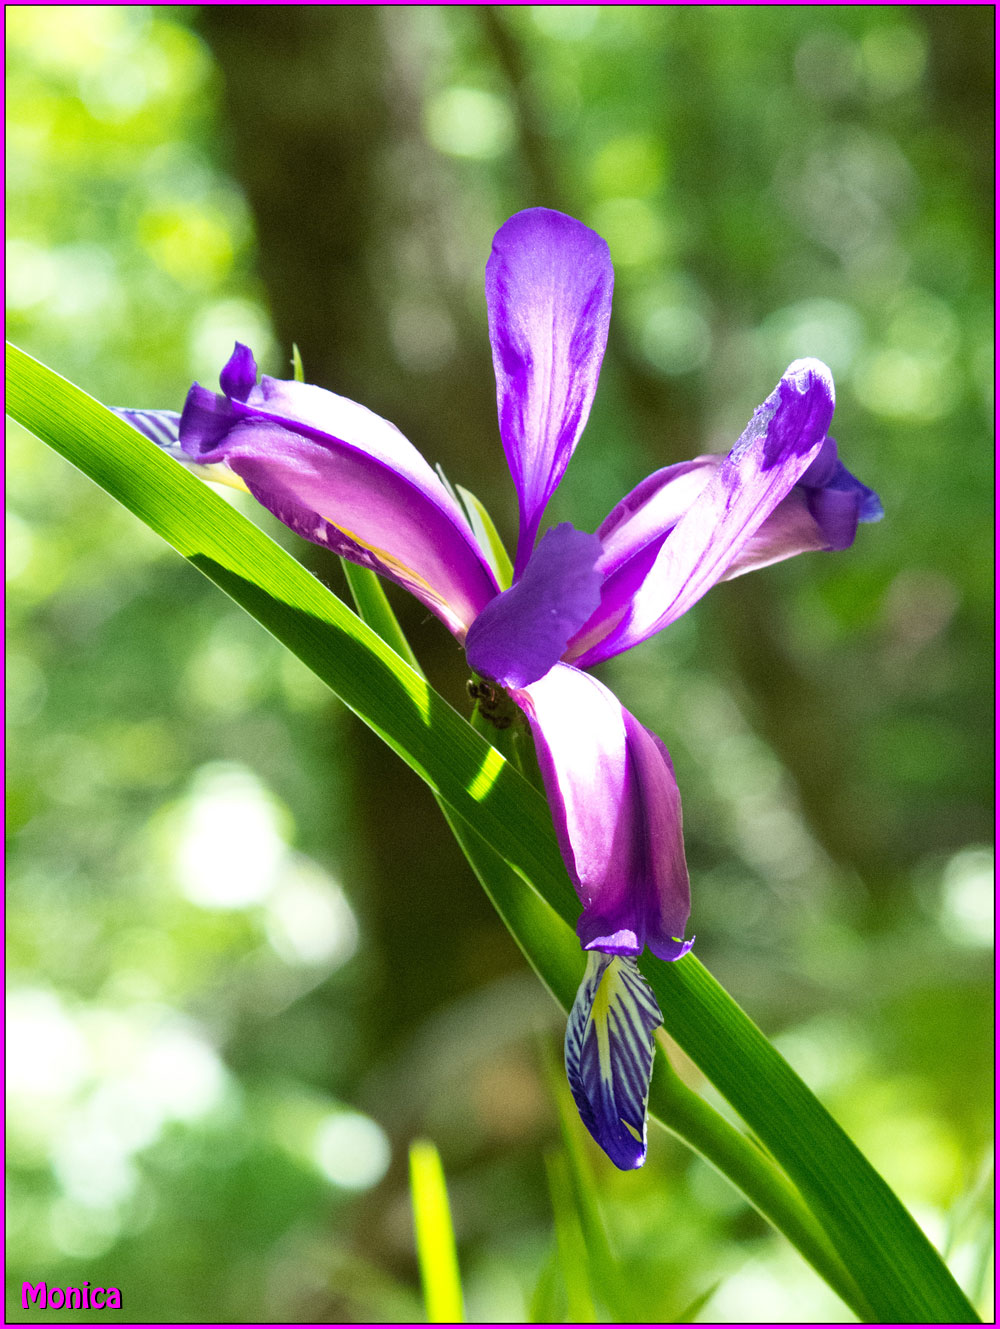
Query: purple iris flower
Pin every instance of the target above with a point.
(343, 477)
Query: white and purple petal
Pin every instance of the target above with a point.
(737, 496)
(343, 477)
(617, 813)
(609, 1055)
(521, 633)
(548, 293)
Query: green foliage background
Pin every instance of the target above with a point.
(246, 967)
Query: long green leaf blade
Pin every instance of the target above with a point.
(435, 1235)
(570, 1244)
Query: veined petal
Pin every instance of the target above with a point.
(784, 437)
(821, 512)
(609, 1055)
(651, 510)
(548, 294)
(521, 634)
(161, 428)
(617, 814)
(343, 477)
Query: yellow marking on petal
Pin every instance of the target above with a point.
(599, 1014)
(596, 635)
(602, 997)
(383, 555)
(218, 473)
(487, 775)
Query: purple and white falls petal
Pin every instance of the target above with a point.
(548, 294)
(617, 813)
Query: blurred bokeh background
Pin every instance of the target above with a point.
(245, 964)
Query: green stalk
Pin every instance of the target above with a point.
(435, 1236)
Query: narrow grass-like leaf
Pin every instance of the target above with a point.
(570, 1243)
(695, 1307)
(298, 370)
(435, 1235)
(545, 1305)
(611, 1290)
(488, 537)
(899, 1273)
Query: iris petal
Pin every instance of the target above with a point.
(609, 1055)
(617, 813)
(239, 374)
(162, 428)
(548, 293)
(521, 634)
(341, 476)
(782, 440)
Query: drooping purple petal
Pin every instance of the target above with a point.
(617, 813)
(548, 294)
(521, 634)
(782, 440)
(609, 1055)
(651, 510)
(820, 512)
(343, 477)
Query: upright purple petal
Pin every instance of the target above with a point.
(617, 814)
(343, 477)
(521, 634)
(782, 440)
(548, 294)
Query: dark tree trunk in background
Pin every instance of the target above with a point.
(323, 133)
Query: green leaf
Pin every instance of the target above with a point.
(298, 372)
(545, 1306)
(900, 1275)
(570, 1244)
(607, 1273)
(435, 1235)
(488, 536)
